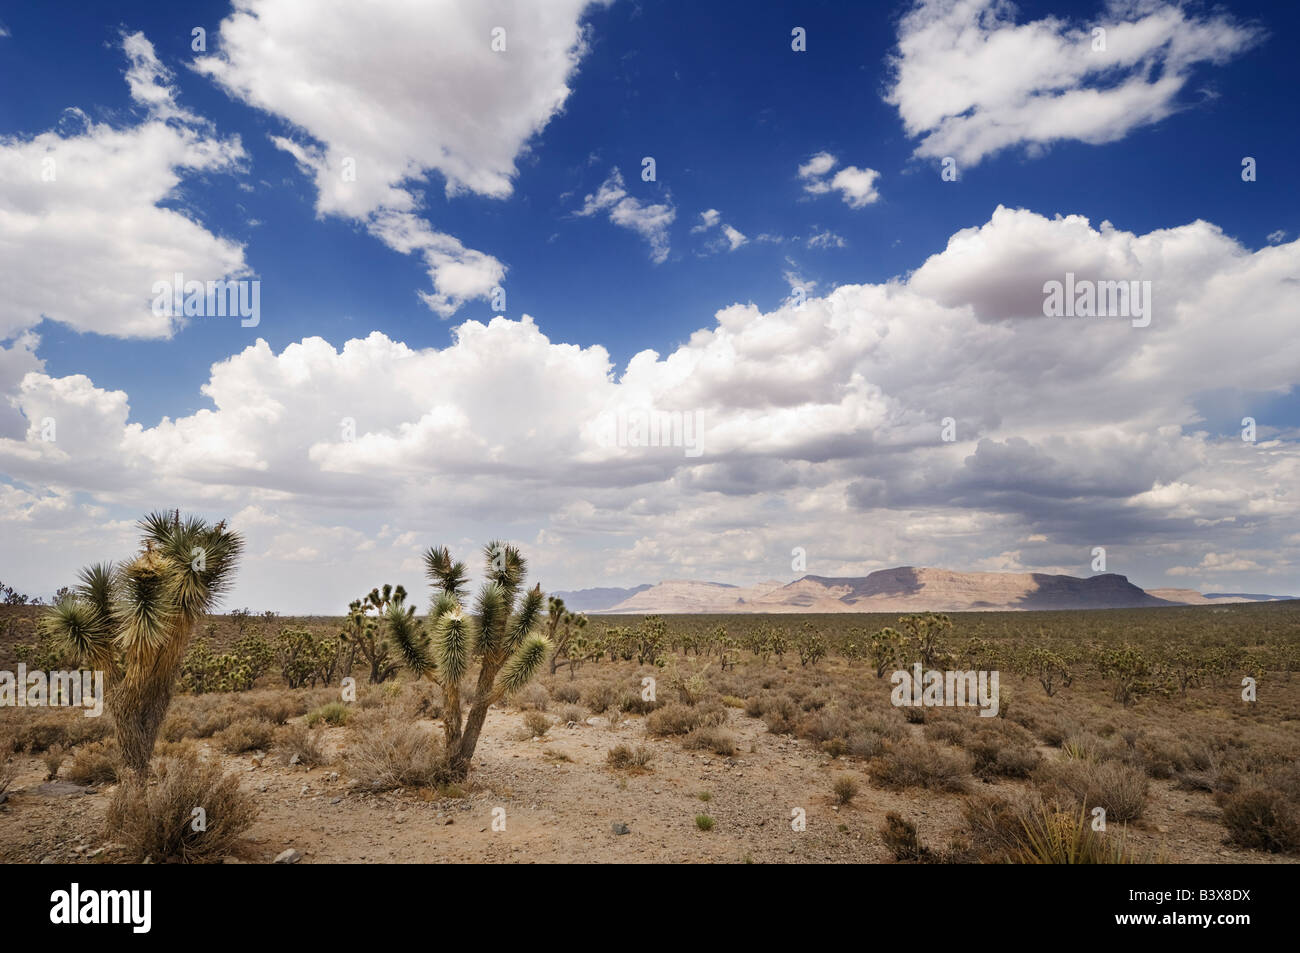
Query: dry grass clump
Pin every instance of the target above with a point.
(711, 738)
(334, 714)
(36, 730)
(532, 696)
(845, 789)
(158, 820)
(536, 724)
(679, 719)
(901, 837)
(1028, 830)
(53, 757)
(1264, 812)
(306, 743)
(599, 698)
(626, 757)
(247, 734)
(386, 754)
(566, 692)
(96, 763)
(909, 764)
(1119, 788)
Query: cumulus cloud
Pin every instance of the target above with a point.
(83, 236)
(823, 415)
(857, 187)
(363, 127)
(650, 221)
(730, 238)
(969, 80)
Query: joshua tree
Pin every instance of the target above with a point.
(501, 636)
(132, 620)
(369, 635)
(560, 626)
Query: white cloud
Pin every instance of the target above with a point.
(820, 416)
(969, 80)
(857, 187)
(650, 221)
(708, 219)
(1277, 237)
(83, 237)
(731, 237)
(420, 91)
(824, 239)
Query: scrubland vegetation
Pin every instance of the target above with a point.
(1139, 713)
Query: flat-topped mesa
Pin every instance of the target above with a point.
(900, 589)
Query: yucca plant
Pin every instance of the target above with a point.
(133, 620)
(500, 635)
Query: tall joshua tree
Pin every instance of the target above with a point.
(501, 635)
(133, 620)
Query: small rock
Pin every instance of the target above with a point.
(289, 856)
(333, 776)
(335, 800)
(296, 759)
(618, 827)
(304, 790)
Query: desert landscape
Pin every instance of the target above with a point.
(686, 738)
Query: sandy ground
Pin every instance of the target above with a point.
(558, 810)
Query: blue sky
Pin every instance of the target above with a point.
(730, 113)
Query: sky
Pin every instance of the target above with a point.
(489, 241)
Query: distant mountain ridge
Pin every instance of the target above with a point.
(902, 589)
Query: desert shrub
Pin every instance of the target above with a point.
(711, 738)
(39, 730)
(822, 726)
(276, 709)
(569, 693)
(866, 744)
(1119, 788)
(673, 719)
(912, 764)
(302, 741)
(704, 822)
(600, 698)
(779, 715)
(536, 724)
(1051, 836)
(1263, 814)
(733, 701)
(1016, 762)
(755, 706)
(845, 788)
(946, 731)
(570, 714)
(8, 771)
(385, 754)
(247, 734)
(96, 763)
(633, 704)
(157, 820)
(901, 837)
(333, 713)
(534, 696)
(53, 757)
(624, 756)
